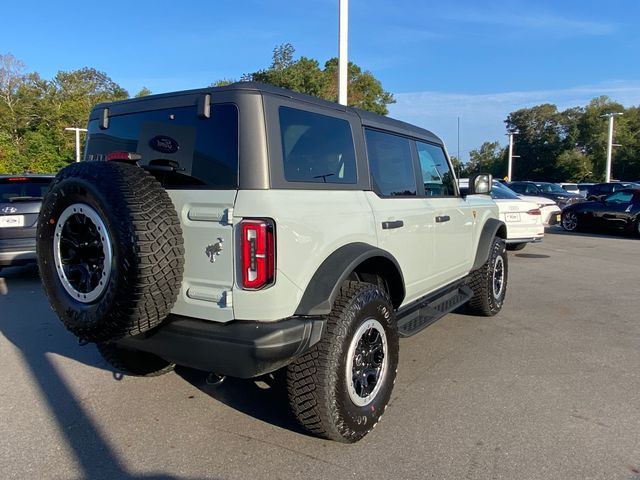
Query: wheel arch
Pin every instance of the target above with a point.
(354, 259)
(492, 228)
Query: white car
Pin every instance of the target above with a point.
(523, 218)
(549, 209)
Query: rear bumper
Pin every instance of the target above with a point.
(243, 349)
(18, 251)
(523, 240)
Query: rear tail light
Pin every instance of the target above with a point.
(257, 247)
(534, 211)
(17, 179)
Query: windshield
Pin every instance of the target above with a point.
(550, 188)
(502, 192)
(23, 187)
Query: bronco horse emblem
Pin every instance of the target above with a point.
(214, 250)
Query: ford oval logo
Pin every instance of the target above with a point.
(164, 144)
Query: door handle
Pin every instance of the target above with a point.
(442, 218)
(394, 224)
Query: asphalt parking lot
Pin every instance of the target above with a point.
(548, 389)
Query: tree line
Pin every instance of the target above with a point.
(565, 146)
(553, 145)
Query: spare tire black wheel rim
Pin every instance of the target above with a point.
(367, 362)
(82, 252)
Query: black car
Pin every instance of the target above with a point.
(600, 190)
(620, 210)
(546, 189)
(20, 201)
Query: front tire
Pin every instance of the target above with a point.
(340, 388)
(489, 282)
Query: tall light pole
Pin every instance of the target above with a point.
(610, 143)
(342, 49)
(77, 130)
(511, 155)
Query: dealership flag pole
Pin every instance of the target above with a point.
(342, 56)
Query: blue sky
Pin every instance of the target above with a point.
(442, 60)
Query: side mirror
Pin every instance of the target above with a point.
(480, 184)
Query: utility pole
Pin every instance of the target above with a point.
(610, 143)
(77, 130)
(511, 155)
(343, 64)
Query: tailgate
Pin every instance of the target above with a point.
(209, 253)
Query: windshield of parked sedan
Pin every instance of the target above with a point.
(550, 188)
(502, 192)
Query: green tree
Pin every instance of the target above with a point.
(144, 92)
(489, 158)
(305, 75)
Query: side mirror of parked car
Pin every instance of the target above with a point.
(480, 184)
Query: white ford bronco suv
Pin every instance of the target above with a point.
(247, 229)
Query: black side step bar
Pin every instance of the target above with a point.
(423, 313)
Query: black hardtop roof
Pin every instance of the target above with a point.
(367, 118)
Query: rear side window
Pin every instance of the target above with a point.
(198, 151)
(391, 164)
(316, 148)
(23, 187)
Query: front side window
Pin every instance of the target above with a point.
(391, 164)
(316, 148)
(436, 174)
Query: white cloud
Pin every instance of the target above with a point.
(482, 116)
(528, 18)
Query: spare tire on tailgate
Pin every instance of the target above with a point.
(110, 250)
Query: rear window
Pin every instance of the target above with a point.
(316, 148)
(23, 187)
(200, 151)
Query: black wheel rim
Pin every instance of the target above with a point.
(498, 277)
(569, 221)
(82, 252)
(367, 362)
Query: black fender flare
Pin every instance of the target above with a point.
(492, 228)
(325, 284)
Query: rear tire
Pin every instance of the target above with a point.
(516, 246)
(489, 282)
(134, 362)
(110, 250)
(340, 388)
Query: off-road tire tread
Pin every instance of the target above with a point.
(312, 376)
(480, 282)
(153, 264)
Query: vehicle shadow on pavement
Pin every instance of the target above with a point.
(264, 399)
(31, 326)
(620, 234)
